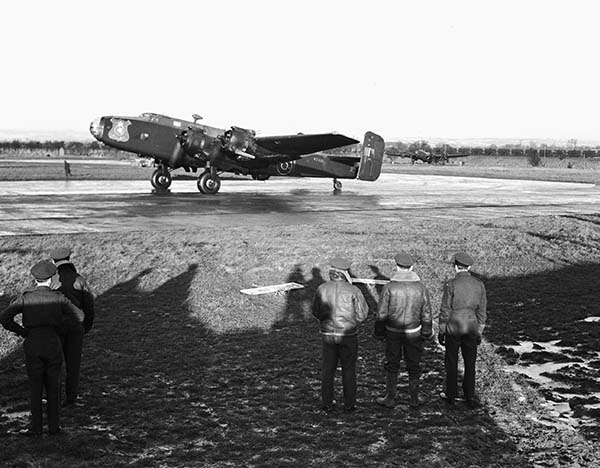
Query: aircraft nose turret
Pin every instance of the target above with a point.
(97, 128)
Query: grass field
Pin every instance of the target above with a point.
(80, 170)
(509, 167)
(182, 370)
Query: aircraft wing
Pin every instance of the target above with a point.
(298, 145)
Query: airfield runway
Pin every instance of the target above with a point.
(34, 208)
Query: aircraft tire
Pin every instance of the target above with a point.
(161, 180)
(337, 185)
(208, 185)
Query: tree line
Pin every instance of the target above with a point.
(542, 150)
(78, 147)
(50, 145)
(58, 147)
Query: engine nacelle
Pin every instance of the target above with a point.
(239, 141)
(196, 143)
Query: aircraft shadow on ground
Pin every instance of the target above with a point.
(158, 387)
(173, 203)
(249, 203)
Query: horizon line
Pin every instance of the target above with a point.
(83, 135)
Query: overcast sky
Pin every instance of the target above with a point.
(449, 69)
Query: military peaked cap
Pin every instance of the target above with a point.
(340, 263)
(404, 260)
(463, 259)
(43, 270)
(60, 253)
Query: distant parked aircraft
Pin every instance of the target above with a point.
(426, 156)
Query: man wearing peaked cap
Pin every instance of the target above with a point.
(404, 260)
(340, 307)
(341, 266)
(74, 287)
(463, 259)
(403, 320)
(461, 322)
(43, 270)
(60, 253)
(44, 312)
(340, 263)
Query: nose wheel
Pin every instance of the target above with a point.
(337, 185)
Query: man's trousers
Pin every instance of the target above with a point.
(398, 346)
(72, 344)
(467, 344)
(345, 350)
(43, 359)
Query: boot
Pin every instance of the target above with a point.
(391, 379)
(413, 390)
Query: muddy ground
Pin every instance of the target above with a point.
(183, 370)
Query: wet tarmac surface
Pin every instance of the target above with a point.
(41, 207)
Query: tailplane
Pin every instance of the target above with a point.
(372, 157)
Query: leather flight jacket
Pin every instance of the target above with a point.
(404, 307)
(340, 307)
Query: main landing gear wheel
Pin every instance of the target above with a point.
(337, 185)
(209, 184)
(161, 179)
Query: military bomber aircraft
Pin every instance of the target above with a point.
(175, 143)
(421, 151)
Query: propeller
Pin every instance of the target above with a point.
(178, 151)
